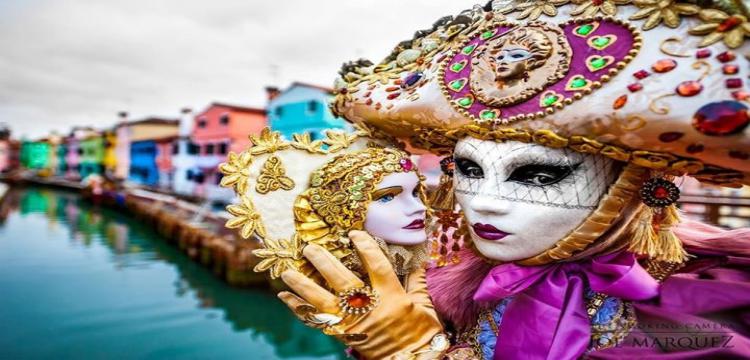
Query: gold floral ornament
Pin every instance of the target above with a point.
(246, 218)
(666, 11)
(592, 7)
(534, 9)
(267, 142)
(278, 256)
(721, 26)
(236, 171)
(305, 142)
(338, 140)
(273, 177)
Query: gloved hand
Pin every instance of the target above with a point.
(401, 325)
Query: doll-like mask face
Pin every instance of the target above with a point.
(396, 213)
(510, 62)
(520, 199)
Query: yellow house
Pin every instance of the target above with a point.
(110, 152)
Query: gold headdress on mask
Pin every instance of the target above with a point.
(304, 191)
(669, 104)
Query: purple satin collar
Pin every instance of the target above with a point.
(547, 318)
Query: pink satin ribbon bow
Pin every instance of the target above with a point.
(547, 317)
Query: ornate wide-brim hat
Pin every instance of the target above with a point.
(657, 83)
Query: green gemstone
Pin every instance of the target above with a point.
(465, 101)
(487, 34)
(468, 49)
(578, 83)
(598, 63)
(487, 115)
(457, 85)
(585, 29)
(550, 100)
(458, 66)
(601, 42)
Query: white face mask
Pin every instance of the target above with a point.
(396, 214)
(520, 199)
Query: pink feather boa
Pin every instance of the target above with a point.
(452, 287)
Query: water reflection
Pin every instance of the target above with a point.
(135, 252)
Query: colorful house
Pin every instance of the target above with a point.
(217, 130)
(302, 108)
(6, 149)
(143, 168)
(35, 154)
(127, 133)
(62, 156)
(92, 155)
(110, 153)
(54, 140)
(165, 150)
(186, 159)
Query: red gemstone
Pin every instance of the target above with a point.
(664, 65)
(597, 2)
(358, 300)
(670, 136)
(734, 83)
(689, 88)
(406, 164)
(694, 148)
(661, 193)
(635, 87)
(730, 69)
(729, 24)
(702, 53)
(721, 118)
(392, 96)
(726, 56)
(740, 95)
(620, 102)
(641, 74)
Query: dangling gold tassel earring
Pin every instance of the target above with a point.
(661, 244)
(670, 247)
(443, 197)
(644, 236)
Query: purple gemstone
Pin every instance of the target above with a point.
(412, 79)
(734, 83)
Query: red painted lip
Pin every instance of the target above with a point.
(489, 232)
(414, 225)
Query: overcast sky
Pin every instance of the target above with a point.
(66, 62)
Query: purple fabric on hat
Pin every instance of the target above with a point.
(547, 318)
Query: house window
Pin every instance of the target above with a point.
(175, 148)
(193, 149)
(202, 123)
(209, 149)
(312, 106)
(224, 119)
(223, 148)
(278, 111)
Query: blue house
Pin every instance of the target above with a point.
(302, 108)
(143, 168)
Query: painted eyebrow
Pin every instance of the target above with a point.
(392, 190)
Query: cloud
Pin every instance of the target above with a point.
(66, 63)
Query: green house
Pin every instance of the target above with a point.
(35, 154)
(92, 156)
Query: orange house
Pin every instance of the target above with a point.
(217, 130)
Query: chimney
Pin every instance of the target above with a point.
(186, 122)
(272, 92)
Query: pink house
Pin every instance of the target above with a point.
(165, 148)
(217, 130)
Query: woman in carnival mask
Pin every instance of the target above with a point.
(303, 197)
(567, 184)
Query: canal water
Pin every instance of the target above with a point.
(79, 281)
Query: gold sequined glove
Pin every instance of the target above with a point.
(381, 321)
